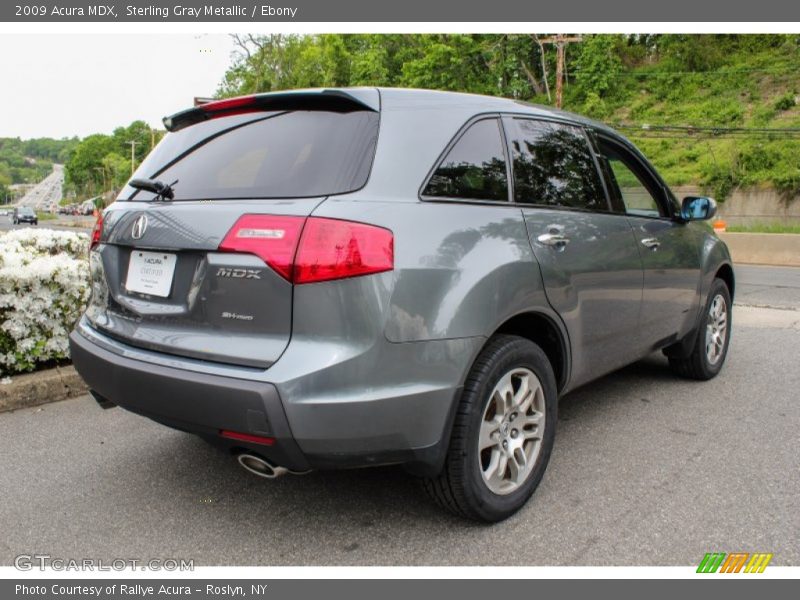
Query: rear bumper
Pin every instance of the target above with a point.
(189, 401)
(338, 415)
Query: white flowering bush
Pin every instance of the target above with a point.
(44, 286)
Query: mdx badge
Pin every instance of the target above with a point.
(239, 273)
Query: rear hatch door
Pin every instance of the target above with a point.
(159, 278)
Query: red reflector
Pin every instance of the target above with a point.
(272, 238)
(247, 437)
(327, 249)
(334, 249)
(97, 232)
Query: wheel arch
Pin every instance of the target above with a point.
(725, 272)
(544, 331)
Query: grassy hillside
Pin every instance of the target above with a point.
(701, 107)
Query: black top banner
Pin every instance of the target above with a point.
(474, 11)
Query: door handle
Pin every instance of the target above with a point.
(651, 243)
(558, 240)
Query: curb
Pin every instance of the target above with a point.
(41, 387)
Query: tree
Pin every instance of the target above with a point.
(598, 64)
(117, 169)
(450, 62)
(80, 168)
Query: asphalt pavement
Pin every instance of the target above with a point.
(62, 223)
(648, 469)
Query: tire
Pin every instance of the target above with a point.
(703, 364)
(462, 486)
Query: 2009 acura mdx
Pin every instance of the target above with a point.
(351, 277)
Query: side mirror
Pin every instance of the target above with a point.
(698, 208)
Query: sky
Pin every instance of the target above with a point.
(78, 84)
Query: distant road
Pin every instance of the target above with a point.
(47, 193)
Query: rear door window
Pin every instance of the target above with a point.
(474, 168)
(554, 166)
(274, 155)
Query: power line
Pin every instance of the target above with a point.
(709, 137)
(679, 131)
(715, 73)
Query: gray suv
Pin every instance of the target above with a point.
(353, 277)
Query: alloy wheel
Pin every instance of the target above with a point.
(716, 329)
(511, 431)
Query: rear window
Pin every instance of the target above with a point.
(267, 155)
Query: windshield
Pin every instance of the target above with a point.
(25, 210)
(264, 155)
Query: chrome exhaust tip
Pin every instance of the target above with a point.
(259, 466)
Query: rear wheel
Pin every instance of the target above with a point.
(503, 433)
(714, 336)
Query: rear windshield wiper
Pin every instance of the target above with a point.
(163, 191)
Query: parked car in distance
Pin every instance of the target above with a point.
(353, 277)
(24, 214)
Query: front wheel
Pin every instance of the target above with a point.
(503, 432)
(713, 337)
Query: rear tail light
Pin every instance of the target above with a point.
(313, 249)
(97, 232)
(272, 238)
(333, 249)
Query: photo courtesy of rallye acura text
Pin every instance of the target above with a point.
(339, 278)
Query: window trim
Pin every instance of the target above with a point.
(497, 117)
(508, 117)
(663, 199)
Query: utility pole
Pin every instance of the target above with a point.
(560, 41)
(133, 155)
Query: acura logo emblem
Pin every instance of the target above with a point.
(139, 227)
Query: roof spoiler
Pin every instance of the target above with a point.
(329, 100)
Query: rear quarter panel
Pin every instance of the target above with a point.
(460, 269)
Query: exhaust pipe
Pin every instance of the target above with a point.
(259, 466)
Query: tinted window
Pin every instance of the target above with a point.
(629, 186)
(553, 166)
(475, 168)
(272, 155)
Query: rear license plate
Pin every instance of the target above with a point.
(150, 273)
